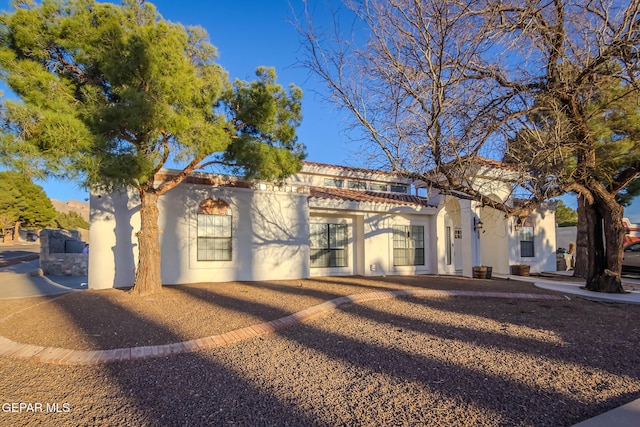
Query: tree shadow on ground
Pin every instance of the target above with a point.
(556, 347)
(430, 281)
(565, 319)
(509, 397)
(200, 388)
(522, 313)
(189, 389)
(517, 403)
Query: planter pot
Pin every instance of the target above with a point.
(482, 272)
(520, 270)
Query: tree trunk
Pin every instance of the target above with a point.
(148, 276)
(605, 222)
(595, 246)
(581, 255)
(16, 232)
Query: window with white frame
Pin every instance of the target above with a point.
(375, 186)
(214, 237)
(526, 239)
(398, 188)
(213, 230)
(332, 182)
(328, 245)
(408, 245)
(357, 185)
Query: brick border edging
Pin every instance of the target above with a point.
(63, 356)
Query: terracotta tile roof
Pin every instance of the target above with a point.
(219, 181)
(206, 179)
(368, 196)
(485, 161)
(349, 168)
(465, 162)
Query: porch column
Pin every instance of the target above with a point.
(470, 245)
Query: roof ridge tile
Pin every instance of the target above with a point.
(368, 196)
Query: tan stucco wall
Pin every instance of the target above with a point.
(544, 242)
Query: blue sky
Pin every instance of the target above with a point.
(250, 33)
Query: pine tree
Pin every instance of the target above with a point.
(112, 93)
(565, 216)
(24, 201)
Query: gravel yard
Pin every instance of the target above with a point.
(405, 361)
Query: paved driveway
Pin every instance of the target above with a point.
(17, 281)
(10, 253)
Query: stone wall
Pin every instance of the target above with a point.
(61, 253)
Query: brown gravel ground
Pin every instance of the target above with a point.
(409, 361)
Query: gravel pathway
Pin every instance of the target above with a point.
(406, 361)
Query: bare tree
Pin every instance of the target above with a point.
(438, 85)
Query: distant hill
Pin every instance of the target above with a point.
(81, 208)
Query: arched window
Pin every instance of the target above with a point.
(214, 230)
(527, 235)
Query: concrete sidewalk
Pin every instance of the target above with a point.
(16, 252)
(624, 416)
(17, 281)
(574, 287)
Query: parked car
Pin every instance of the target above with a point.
(631, 257)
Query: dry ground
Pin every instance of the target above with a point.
(407, 361)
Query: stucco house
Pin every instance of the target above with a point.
(326, 220)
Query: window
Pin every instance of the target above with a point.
(408, 245)
(377, 187)
(526, 239)
(331, 182)
(214, 230)
(447, 244)
(328, 245)
(214, 237)
(398, 188)
(457, 233)
(357, 185)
